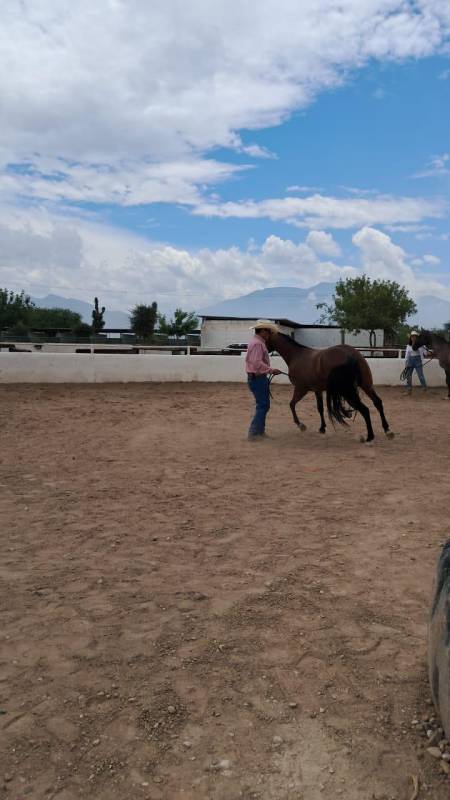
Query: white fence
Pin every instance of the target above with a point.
(100, 368)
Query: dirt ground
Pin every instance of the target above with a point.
(187, 615)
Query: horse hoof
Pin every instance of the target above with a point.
(369, 444)
(302, 426)
(322, 430)
(390, 434)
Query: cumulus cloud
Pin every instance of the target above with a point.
(127, 104)
(109, 83)
(320, 211)
(87, 258)
(323, 244)
(381, 258)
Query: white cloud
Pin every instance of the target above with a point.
(323, 244)
(427, 259)
(42, 252)
(320, 211)
(303, 189)
(406, 228)
(126, 183)
(436, 167)
(116, 83)
(256, 151)
(381, 258)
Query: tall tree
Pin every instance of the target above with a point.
(14, 308)
(143, 320)
(54, 318)
(362, 304)
(98, 323)
(182, 323)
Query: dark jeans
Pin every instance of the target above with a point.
(414, 363)
(259, 387)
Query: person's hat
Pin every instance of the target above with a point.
(267, 324)
(414, 333)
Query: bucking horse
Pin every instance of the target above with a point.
(340, 371)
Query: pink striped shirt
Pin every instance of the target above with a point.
(257, 357)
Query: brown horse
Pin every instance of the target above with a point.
(338, 371)
(441, 350)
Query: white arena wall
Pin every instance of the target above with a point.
(124, 368)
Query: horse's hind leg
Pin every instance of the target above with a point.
(296, 397)
(447, 380)
(378, 403)
(352, 397)
(319, 400)
(358, 405)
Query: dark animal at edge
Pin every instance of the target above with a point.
(441, 350)
(439, 640)
(339, 371)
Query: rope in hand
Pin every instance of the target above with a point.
(407, 370)
(271, 377)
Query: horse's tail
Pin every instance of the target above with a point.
(342, 385)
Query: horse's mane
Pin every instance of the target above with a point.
(437, 336)
(291, 340)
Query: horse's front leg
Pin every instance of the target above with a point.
(296, 397)
(319, 401)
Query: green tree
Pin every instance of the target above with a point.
(143, 320)
(98, 323)
(182, 323)
(54, 318)
(14, 308)
(82, 330)
(362, 304)
(19, 330)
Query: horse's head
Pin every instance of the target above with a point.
(271, 341)
(424, 339)
(268, 331)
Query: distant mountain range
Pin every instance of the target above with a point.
(280, 302)
(299, 305)
(113, 319)
(288, 302)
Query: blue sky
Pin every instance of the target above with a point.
(223, 153)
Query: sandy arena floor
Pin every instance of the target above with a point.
(186, 615)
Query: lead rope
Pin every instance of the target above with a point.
(406, 371)
(271, 377)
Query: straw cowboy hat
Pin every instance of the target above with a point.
(266, 324)
(414, 333)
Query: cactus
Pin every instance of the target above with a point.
(98, 323)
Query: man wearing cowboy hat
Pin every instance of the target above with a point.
(257, 365)
(413, 361)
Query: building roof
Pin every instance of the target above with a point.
(288, 323)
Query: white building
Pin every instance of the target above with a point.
(220, 332)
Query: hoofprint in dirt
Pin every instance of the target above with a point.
(186, 615)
